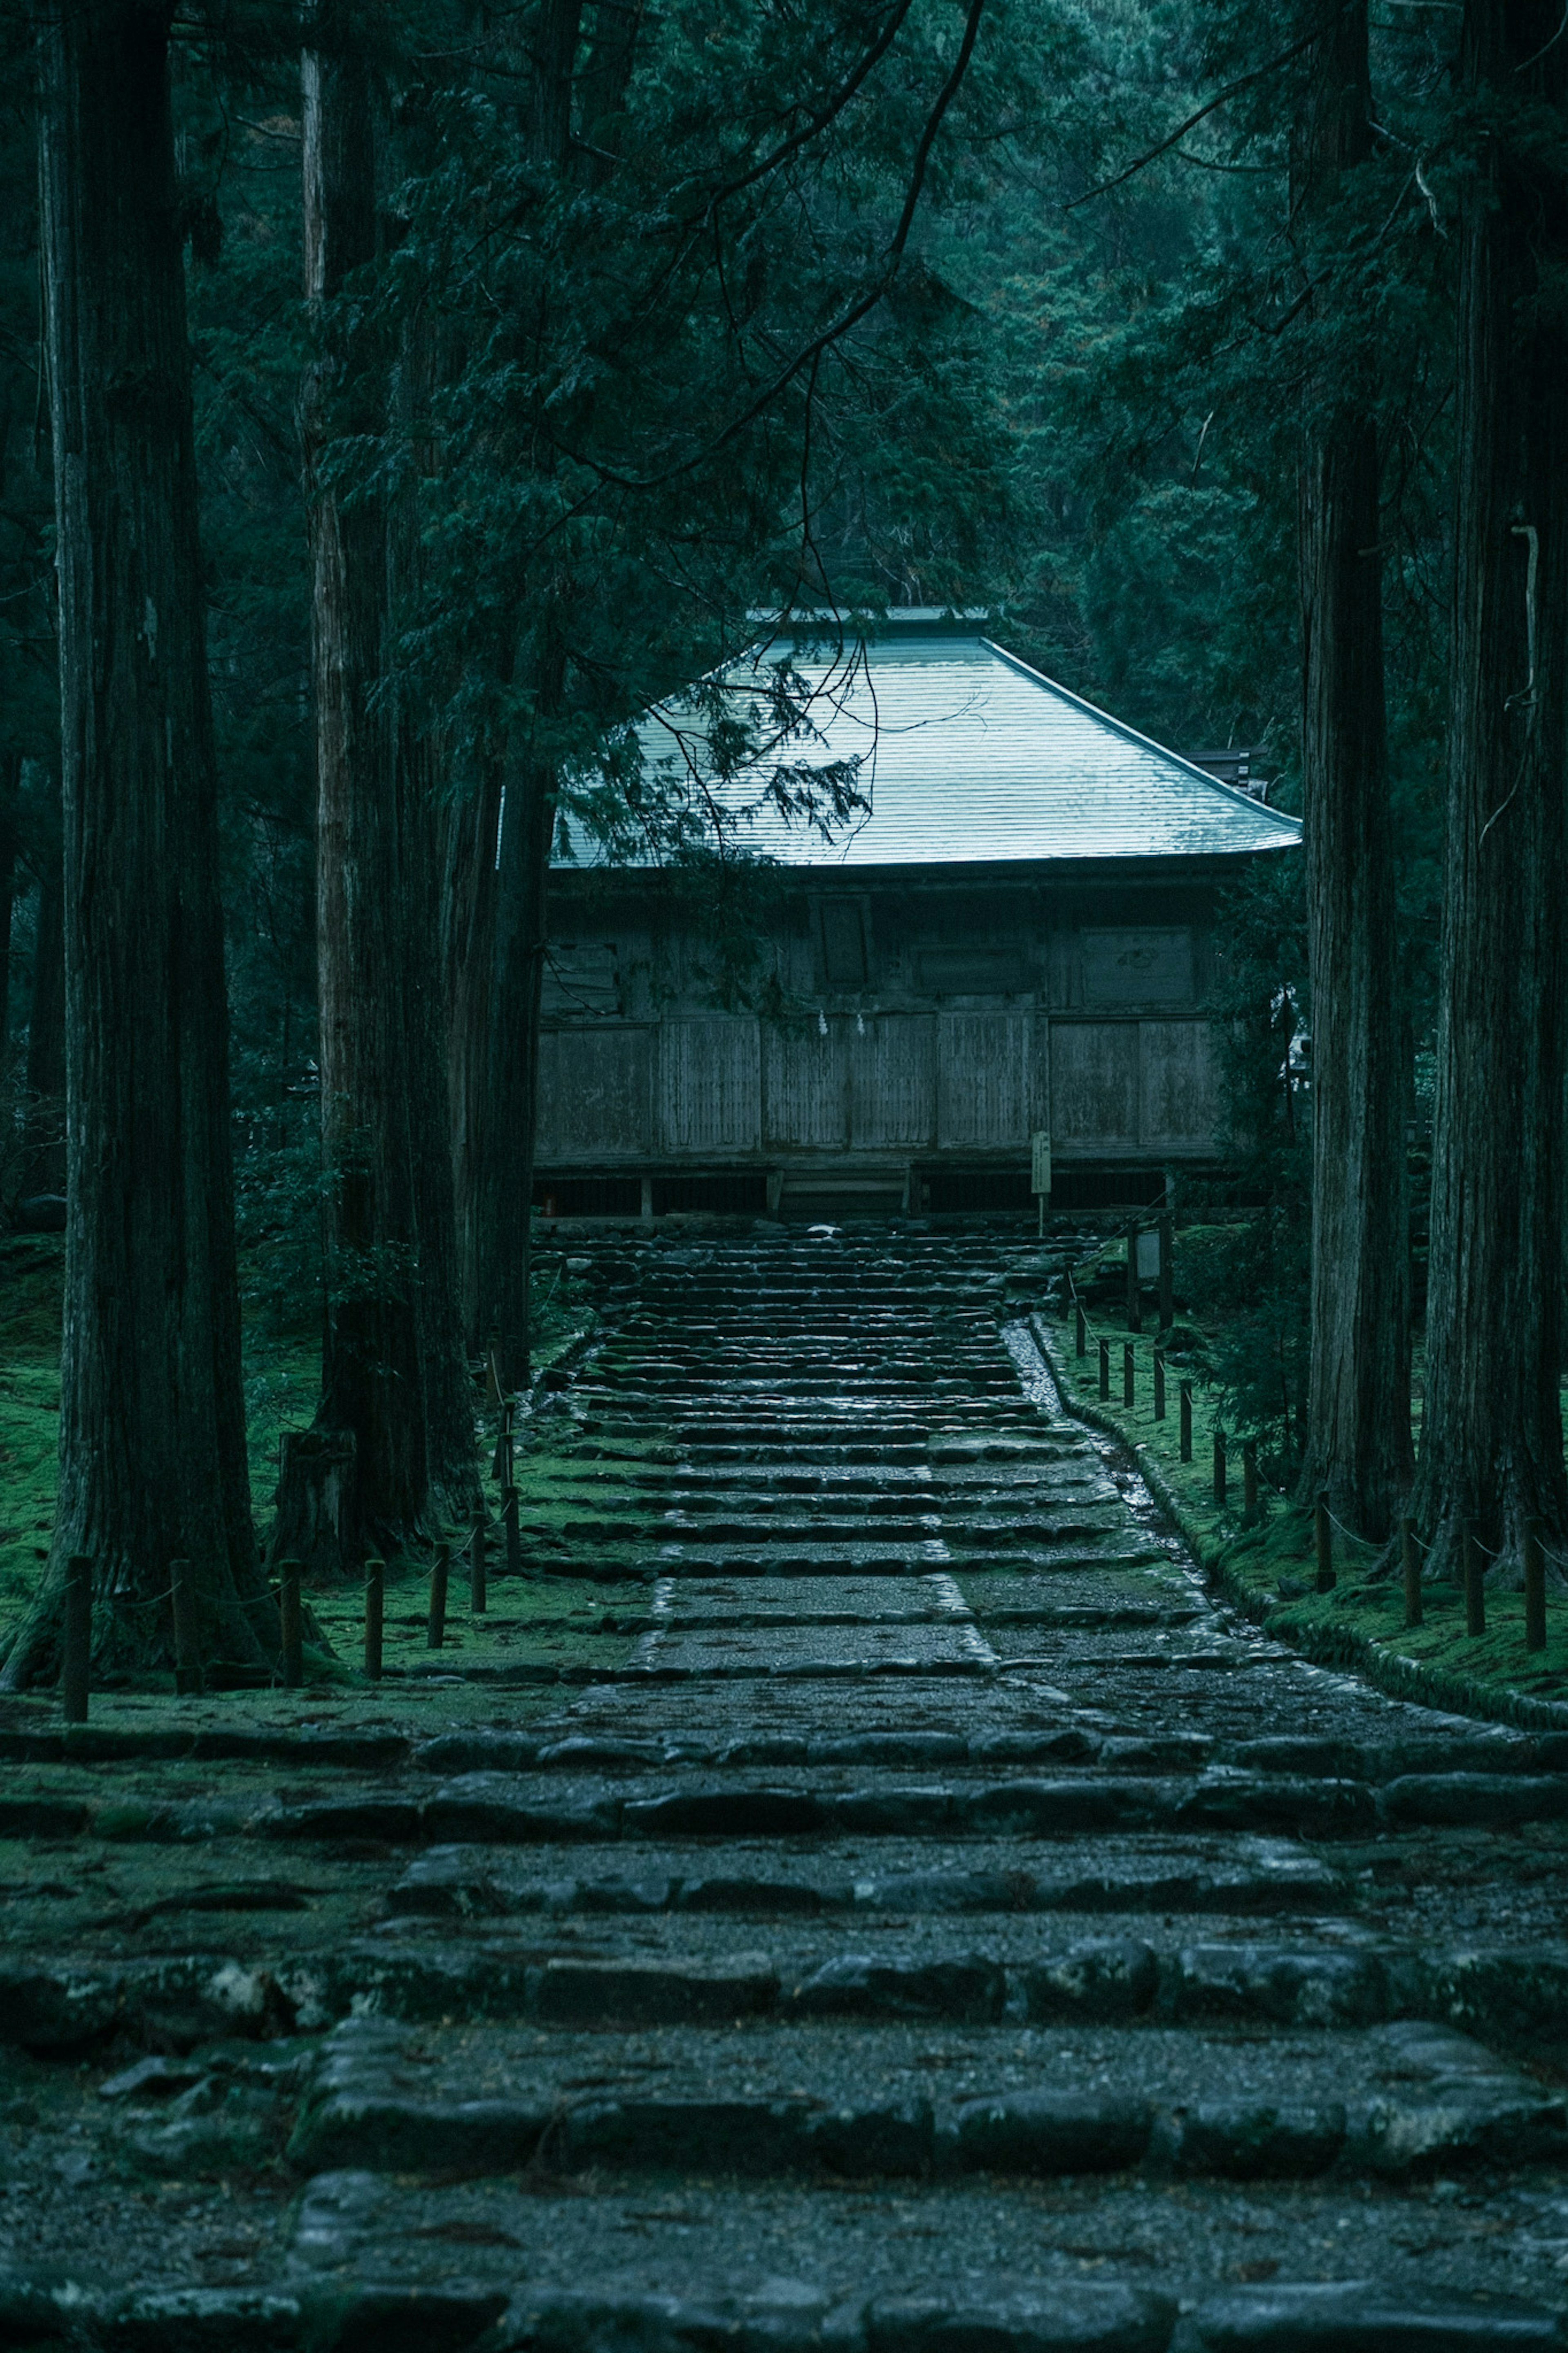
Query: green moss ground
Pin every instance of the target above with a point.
(1269, 1570)
(540, 1621)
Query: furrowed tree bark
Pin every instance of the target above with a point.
(499, 867)
(383, 1463)
(44, 1129)
(1491, 1435)
(10, 785)
(153, 1462)
(1358, 1437)
(468, 840)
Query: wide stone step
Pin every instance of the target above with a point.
(866, 2103)
(1108, 2264)
(1194, 1876)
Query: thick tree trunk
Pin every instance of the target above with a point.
(468, 837)
(1491, 1435)
(153, 1463)
(1358, 1441)
(395, 1423)
(44, 1130)
(498, 864)
(507, 1193)
(10, 783)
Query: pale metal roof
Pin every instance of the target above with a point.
(966, 755)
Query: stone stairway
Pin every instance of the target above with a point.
(949, 1930)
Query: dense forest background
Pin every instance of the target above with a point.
(530, 353)
(1084, 416)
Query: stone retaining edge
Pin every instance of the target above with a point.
(1351, 2316)
(1341, 1647)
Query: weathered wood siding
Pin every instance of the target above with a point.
(805, 1097)
(1094, 1085)
(933, 1024)
(987, 1087)
(1132, 1086)
(595, 1093)
(892, 1081)
(710, 1084)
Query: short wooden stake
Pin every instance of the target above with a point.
(1082, 1320)
(1534, 1588)
(1324, 1545)
(1167, 1272)
(291, 1620)
(439, 1569)
(1410, 1566)
(1249, 1478)
(1159, 1384)
(187, 1644)
(1186, 1405)
(1105, 1368)
(1220, 1472)
(479, 1563)
(374, 1616)
(1128, 1373)
(75, 1638)
(1475, 1581)
(512, 1536)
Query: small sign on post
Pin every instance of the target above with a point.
(1041, 1169)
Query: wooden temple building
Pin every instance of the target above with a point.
(1016, 934)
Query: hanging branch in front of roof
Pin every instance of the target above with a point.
(850, 317)
(1232, 89)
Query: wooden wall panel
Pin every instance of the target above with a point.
(805, 1086)
(1179, 1088)
(1094, 1085)
(986, 1093)
(892, 1081)
(1130, 967)
(710, 1084)
(595, 1093)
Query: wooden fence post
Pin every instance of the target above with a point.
(75, 1638)
(1220, 1476)
(291, 1624)
(1167, 1272)
(374, 1616)
(1185, 1401)
(1410, 1566)
(1534, 1588)
(1128, 1372)
(1159, 1384)
(1105, 1368)
(1324, 1545)
(188, 1677)
(439, 1569)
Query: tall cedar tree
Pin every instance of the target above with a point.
(391, 1453)
(1358, 1437)
(498, 844)
(153, 1462)
(1492, 1435)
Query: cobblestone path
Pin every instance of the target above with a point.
(951, 1933)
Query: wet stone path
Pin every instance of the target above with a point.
(950, 1929)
